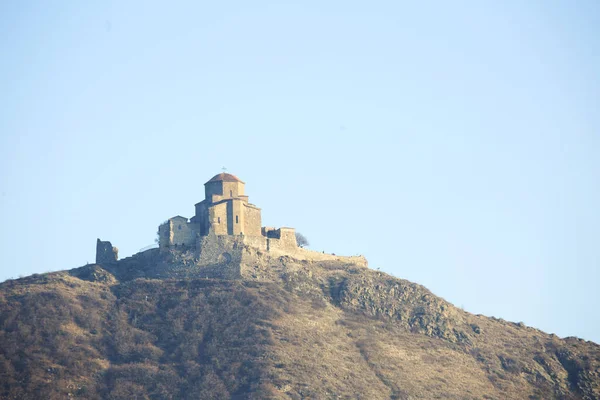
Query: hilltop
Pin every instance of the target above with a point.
(228, 308)
(286, 328)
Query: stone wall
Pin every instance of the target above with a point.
(182, 232)
(287, 238)
(213, 189)
(164, 235)
(282, 239)
(202, 218)
(222, 257)
(213, 249)
(233, 189)
(235, 216)
(218, 262)
(176, 231)
(106, 253)
(217, 249)
(257, 242)
(301, 254)
(217, 219)
(221, 251)
(219, 190)
(268, 231)
(174, 263)
(252, 220)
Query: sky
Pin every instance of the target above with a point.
(454, 144)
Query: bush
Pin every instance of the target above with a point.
(301, 240)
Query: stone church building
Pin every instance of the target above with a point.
(225, 211)
(225, 208)
(223, 240)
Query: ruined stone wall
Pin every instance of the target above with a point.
(187, 264)
(215, 249)
(174, 263)
(164, 235)
(106, 253)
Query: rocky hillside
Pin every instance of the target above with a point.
(289, 330)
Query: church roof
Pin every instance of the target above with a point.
(225, 177)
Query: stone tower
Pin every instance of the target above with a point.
(225, 209)
(106, 253)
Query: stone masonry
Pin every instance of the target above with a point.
(106, 253)
(223, 240)
(225, 211)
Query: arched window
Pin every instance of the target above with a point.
(236, 219)
(218, 220)
(231, 193)
(179, 227)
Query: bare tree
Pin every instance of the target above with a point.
(301, 240)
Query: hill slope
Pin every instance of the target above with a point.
(296, 330)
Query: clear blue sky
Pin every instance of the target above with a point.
(455, 144)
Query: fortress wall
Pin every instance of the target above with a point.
(224, 256)
(257, 242)
(176, 264)
(280, 245)
(287, 237)
(224, 249)
(309, 255)
(282, 239)
(281, 248)
(219, 257)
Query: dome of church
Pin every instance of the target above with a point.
(225, 178)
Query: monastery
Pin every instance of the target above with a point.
(225, 210)
(224, 239)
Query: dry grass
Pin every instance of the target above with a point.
(306, 333)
